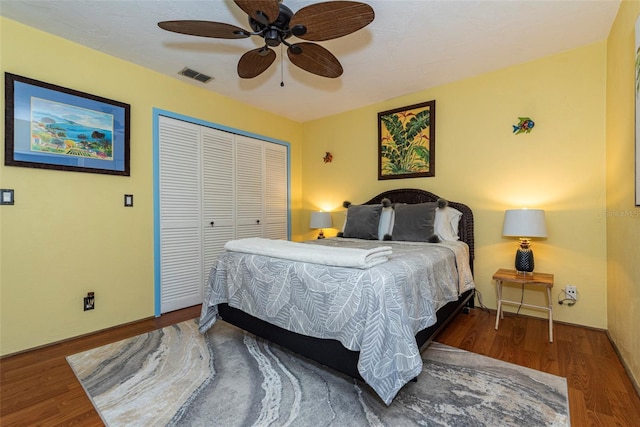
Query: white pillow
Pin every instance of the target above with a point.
(385, 226)
(446, 223)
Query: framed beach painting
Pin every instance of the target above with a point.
(637, 97)
(53, 127)
(406, 141)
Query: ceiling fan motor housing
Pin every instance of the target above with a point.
(277, 31)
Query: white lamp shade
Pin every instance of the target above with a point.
(524, 223)
(320, 220)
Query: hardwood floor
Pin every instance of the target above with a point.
(39, 388)
(600, 391)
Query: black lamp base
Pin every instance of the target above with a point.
(524, 261)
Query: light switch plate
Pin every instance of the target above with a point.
(7, 197)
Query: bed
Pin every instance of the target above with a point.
(366, 321)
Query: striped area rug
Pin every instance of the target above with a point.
(178, 377)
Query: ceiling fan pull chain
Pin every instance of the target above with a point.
(281, 67)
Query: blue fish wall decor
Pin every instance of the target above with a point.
(524, 125)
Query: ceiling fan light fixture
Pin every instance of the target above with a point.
(262, 17)
(242, 33)
(299, 30)
(272, 37)
(295, 49)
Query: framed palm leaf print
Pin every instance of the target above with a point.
(406, 141)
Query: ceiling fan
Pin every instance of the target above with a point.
(275, 23)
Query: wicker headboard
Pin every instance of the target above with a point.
(413, 195)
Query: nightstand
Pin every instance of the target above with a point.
(536, 279)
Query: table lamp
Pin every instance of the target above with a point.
(524, 224)
(320, 220)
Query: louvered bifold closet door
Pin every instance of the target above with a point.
(276, 190)
(180, 215)
(249, 187)
(218, 194)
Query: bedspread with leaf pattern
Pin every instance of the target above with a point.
(375, 311)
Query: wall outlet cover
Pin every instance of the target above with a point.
(89, 302)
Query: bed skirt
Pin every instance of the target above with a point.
(330, 352)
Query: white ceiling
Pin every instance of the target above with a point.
(410, 46)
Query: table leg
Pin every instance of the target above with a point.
(550, 314)
(499, 310)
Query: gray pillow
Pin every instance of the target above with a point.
(362, 222)
(414, 223)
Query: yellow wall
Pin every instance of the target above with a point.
(623, 219)
(68, 232)
(559, 167)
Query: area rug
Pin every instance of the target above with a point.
(178, 377)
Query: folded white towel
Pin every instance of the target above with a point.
(316, 254)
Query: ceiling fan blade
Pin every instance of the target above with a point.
(216, 30)
(255, 62)
(263, 11)
(330, 20)
(314, 59)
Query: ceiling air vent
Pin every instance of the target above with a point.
(188, 72)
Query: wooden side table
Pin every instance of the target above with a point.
(537, 279)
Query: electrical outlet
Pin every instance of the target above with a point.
(572, 292)
(89, 301)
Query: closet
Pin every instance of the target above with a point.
(214, 186)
